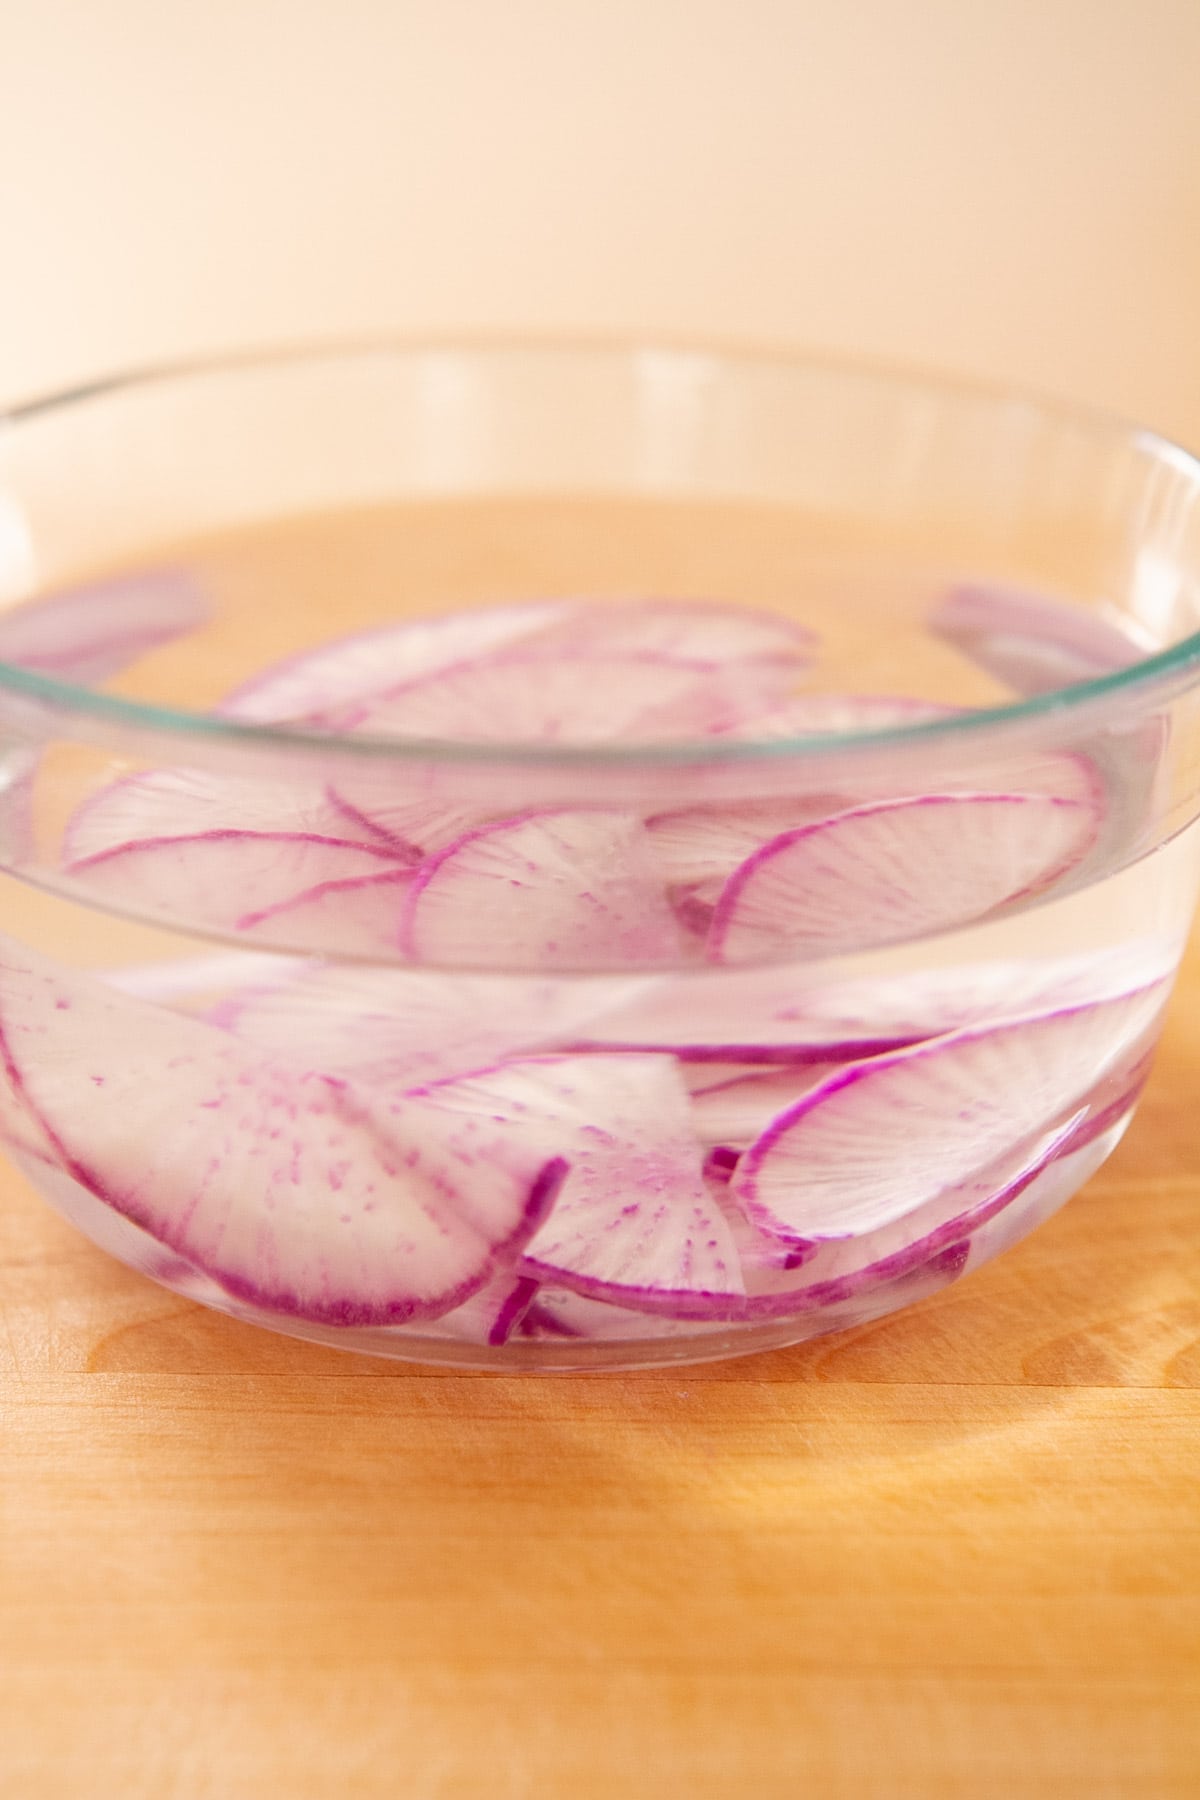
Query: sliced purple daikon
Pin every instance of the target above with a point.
(563, 1314)
(293, 1191)
(899, 870)
(634, 1219)
(882, 1138)
(712, 631)
(325, 683)
(317, 683)
(736, 1110)
(88, 633)
(1033, 643)
(493, 1314)
(298, 891)
(557, 696)
(188, 803)
(808, 715)
(729, 1019)
(558, 890)
(400, 1027)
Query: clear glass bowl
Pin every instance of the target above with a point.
(564, 857)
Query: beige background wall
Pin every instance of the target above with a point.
(1005, 186)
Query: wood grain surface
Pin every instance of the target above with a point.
(956, 1553)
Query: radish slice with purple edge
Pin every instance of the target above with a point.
(399, 1027)
(634, 1220)
(898, 870)
(1032, 643)
(86, 634)
(186, 803)
(315, 685)
(785, 1015)
(493, 1314)
(558, 890)
(297, 891)
(711, 631)
(735, 1112)
(293, 1191)
(569, 698)
(879, 1139)
(564, 1315)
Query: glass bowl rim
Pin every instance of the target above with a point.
(1061, 705)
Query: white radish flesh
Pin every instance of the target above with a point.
(882, 1138)
(1033, 643)
(555, 890)
(87, 634)
(401, 1027)
(293, 1191)
(900, 870)
(634, 1220)
(557, 697)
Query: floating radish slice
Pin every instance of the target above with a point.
(710, 631)
(560, 1313)
(188, 803)
(794, 1015)
(314, 684)
(634, 1220)
(806, 715)
(293, 1191)
(882, 1138)
(703, 845)
(415, 825)
(899, 870)
(737, 1110)
(558, 890)
(297, 891)
(493, 1314)
(1033, 643)
(399, 1027)
(87, 634)
(841, 1269)
(320, 684)
(559, 697)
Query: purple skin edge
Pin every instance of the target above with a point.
(726, 904)
(345, 1312)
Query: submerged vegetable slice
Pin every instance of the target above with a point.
(401, 1027)
(293, 1191)
(560, 696)
(558, 890)
(880, 1139)
(321, 684)
(86, 634)
(634, 1219)
(1032, 642)
(902, 869)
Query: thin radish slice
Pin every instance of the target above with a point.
(1033, 643)
(317, 683)
(794, 1015)
(634, 1220)
(882, 1138)
(808, 715)
(737, 1111)
(705, 844)
(294, 890)
(416, 825)
(187, 803)
(400, 1027)
(560, 1313)
(712, 631)
(555, 890)
(493, 1314)
(899, 870)
(559, 697)
(88, 633)
(293, 1191)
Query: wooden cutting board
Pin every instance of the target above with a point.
(956, 1553)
